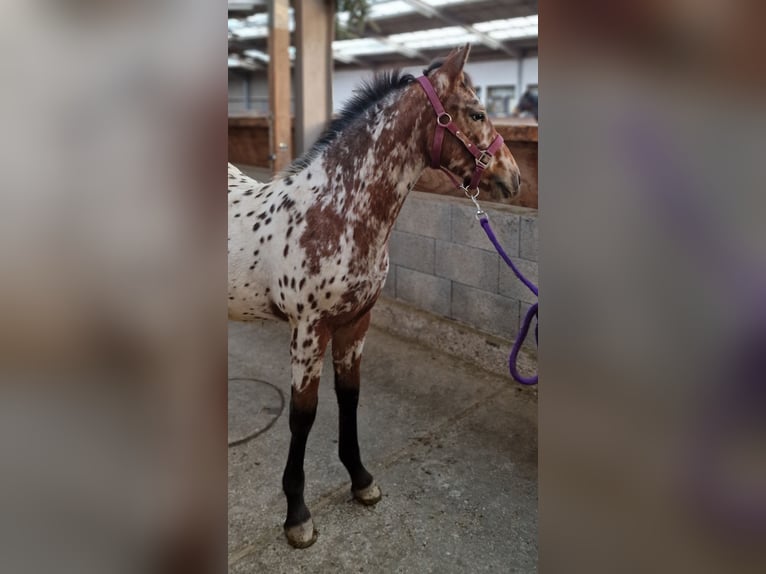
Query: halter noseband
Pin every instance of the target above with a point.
(444, 122)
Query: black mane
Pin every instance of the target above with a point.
(368, 94)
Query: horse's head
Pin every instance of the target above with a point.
(454, 89)
(527, 103)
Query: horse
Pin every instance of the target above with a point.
(527, 103)
(311, 246)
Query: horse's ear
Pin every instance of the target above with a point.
(464, 55)
(456, 60)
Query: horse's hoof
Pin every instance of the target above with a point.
(302, 535)
(369, 495)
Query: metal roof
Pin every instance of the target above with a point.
(400, 32)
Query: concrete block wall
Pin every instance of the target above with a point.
(443, 263)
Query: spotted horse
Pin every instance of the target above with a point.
(311, 246)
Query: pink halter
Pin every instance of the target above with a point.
(444, 122)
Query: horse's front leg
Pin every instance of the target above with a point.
(309, 341)
(347, 344)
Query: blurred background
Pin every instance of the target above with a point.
(652, 250)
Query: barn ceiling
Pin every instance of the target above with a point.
(399, 32)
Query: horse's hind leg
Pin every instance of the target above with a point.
(347, 343)
(307, 351)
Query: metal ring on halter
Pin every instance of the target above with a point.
(479, 210)
(483, 160)
(468, 194)
(444, 115)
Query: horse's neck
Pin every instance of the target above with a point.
(375, 162)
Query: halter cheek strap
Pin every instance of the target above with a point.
(444, 123)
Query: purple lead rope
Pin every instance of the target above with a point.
(532, 312)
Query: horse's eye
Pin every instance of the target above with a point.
(478, 117)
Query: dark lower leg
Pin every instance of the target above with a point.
(301, 421)
(348, 443)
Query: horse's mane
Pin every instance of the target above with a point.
(365, 96)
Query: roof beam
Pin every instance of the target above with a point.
(428, 10)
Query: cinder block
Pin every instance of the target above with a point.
(467, 265)
(528, 241)
(423, 291)
(389, 287)
(467, 230)
(412, 251)
(511, 286)
(425, 216)
(485, 311)
(530, 341)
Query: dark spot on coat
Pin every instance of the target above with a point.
(277, 311)
(287, 203)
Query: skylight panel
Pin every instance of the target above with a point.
(257, 55)
(389, 9)
(252, 32)
(236, 61)
(524, 27)
(436, 38)
(359, 47)
(256, 25)
(264, 57)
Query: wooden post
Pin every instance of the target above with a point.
(279, 83)
(314, 33)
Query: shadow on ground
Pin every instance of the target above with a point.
(453, 448)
